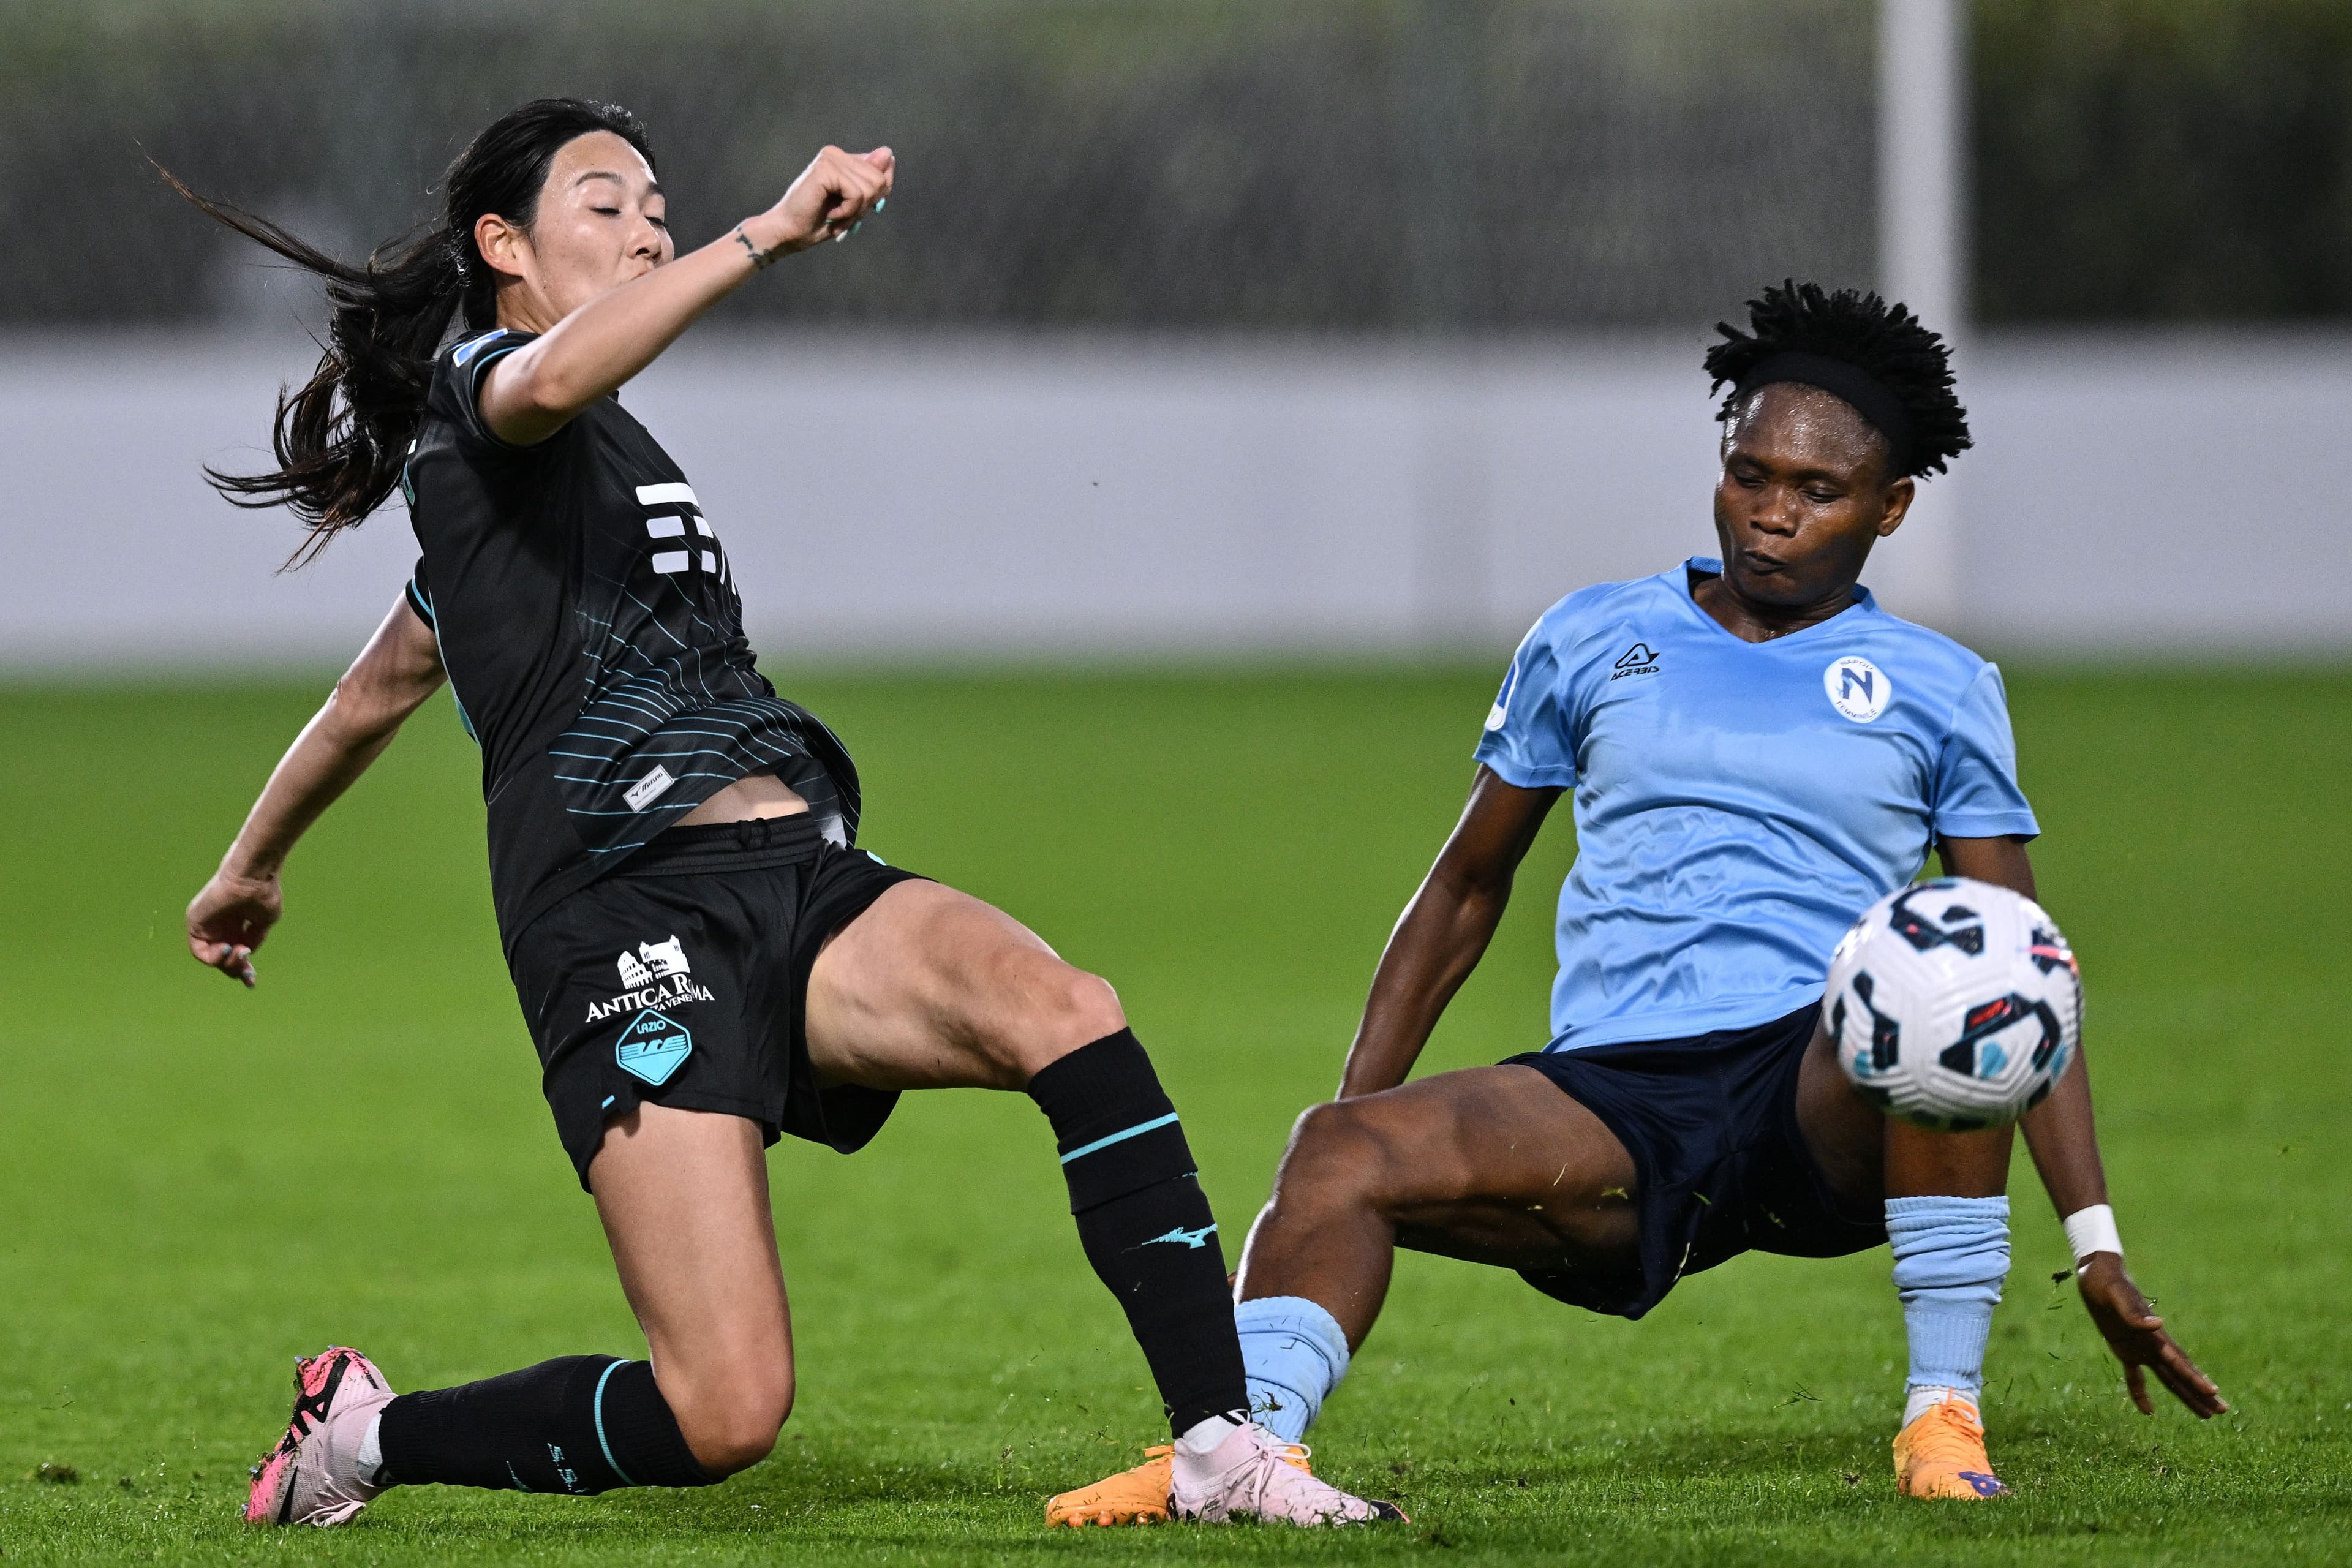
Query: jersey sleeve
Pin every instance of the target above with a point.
(1530, 739)
(455, 394)
(420, 595)
(1977, 795)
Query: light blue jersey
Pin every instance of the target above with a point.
(1738, 804)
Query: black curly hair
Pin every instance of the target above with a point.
(1896, 374)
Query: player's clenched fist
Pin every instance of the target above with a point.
(828, 201)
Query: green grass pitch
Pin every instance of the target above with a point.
(200, 1183)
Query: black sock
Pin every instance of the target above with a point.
(580, 1423)
(1145, 1222)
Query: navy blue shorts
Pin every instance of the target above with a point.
(1720, 1168)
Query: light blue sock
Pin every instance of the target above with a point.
(1950, 1257)
(1296, 1353)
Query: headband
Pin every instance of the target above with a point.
(1841, 378)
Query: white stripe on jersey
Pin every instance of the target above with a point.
(666, 526)
(666, 495)
(669, 562)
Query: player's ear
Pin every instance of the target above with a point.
(1899, 494)
(501, 244)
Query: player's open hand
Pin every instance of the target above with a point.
(2136, 1335)
(230, 918)
(829, 200)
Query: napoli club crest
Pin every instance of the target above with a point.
(1858, 689)
(653, 1049)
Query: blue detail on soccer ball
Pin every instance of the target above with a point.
(1990, 1059)
(653, 1048)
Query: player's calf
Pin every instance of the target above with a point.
(1951, 1255)
(1145, 1222)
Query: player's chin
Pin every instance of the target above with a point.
(1764, 580)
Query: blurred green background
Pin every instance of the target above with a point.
(203, 1183)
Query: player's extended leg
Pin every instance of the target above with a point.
(1948, 1223)
(930, 988)
(1493, 1164)
(684, 1198)
(1490, 1164)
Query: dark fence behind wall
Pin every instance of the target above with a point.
(1312, 165)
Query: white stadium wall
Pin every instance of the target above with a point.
(943, 497)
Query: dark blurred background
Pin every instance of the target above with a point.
(1342, 164)
(1232, 326)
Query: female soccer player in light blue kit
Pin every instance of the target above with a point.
(1757, 752)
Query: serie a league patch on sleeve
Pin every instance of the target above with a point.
(653, 1049)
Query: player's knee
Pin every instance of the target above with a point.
(1072, 1008)
(733, 1426)
(1339, 1154)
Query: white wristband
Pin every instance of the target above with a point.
(2092, 1230)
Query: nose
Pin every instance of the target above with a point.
(1775, 512)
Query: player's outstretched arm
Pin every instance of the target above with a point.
(398, 669)
(535, 392)
(1444, 931)
(2062, 1136)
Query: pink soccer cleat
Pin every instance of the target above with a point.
(1251, 1475)
(312, 1477)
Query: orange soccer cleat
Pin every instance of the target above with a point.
(1942, 1455)
(1138, 1496)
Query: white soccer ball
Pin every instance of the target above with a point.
(1954, 1004)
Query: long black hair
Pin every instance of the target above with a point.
(342, 438)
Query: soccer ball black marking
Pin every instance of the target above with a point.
(1989, 1018)
(1924, 931)
(1885, 1034)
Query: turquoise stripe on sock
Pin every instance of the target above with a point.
(601, 1441)
(1137, 1130)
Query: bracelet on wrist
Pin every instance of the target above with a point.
(2093, 1230)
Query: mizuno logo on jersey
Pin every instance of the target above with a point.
(1195, 1239)
(1635, 660)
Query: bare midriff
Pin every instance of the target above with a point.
(752, 797)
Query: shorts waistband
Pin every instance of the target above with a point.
(756, 841)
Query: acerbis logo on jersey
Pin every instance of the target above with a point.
(1857, 687)
(1635, 660)
(656, 975)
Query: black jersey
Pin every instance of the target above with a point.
(593, 638)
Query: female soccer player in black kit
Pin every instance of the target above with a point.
(705, 959)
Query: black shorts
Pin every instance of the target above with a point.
(1720, 1168)
(682, 979)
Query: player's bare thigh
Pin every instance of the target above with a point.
(932, 988)
(1866, 1155)
(1845, 1134)
(1493, 1164)
(683, 1196)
